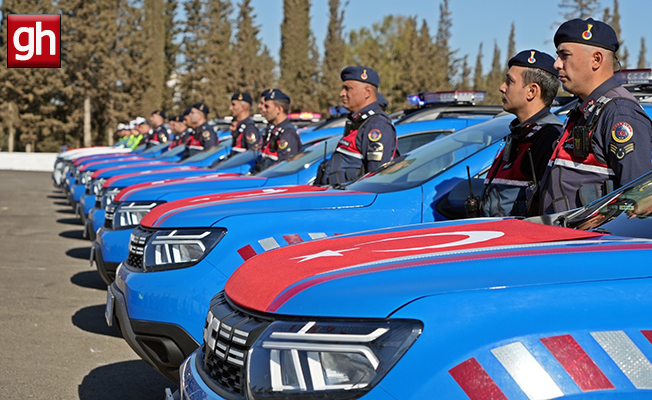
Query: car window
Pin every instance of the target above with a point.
(410, 142)
(204, 154)
(426, 162)
(303, 160)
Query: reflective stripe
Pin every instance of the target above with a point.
(581, 368)
(246, 252)
(192, 147)
(475, 381)
(292, 239)
(238, 149)
(349, 153)
(269, 243)
(270, 156)
(511, 182)
(527, 372)
(317, 235)
(627, 356)
(583, 167)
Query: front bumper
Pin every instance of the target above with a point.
(106, 269)
(110, 248)
(161, 345)
(94, 222)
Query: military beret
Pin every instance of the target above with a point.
(241, 96)
(534, 59)
(361, 74)
(381, 100)
(201, 107)
(187, 111)
(265, 93)
(159, 112)
(174, 118)
(276, 94)
(589, 31)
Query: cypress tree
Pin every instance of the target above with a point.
(154, 57)
(445, 54)
(642, 60)
(465, 75)
(171, 31)
(478, 77)
(511, 44)
(194, 41)
(253, 64)
(219, 59)
(334, 54)
(494, 78)
(298, 55)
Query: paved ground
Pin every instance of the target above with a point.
(54, 342)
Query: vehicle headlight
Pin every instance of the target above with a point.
(172, 249)
(85, 177)
(334, 359)
(108, 195)
(97, 185)
(129, 214)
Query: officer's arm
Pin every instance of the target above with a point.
(542, 150)
(626, 146)
(378, 142)
(251, 137)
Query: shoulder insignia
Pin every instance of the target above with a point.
(206, 134)
(251, 137)
(374, 135)
(622, 132)
(282, 144)
(621, 152)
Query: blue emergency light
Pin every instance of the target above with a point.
(634, 76)
(455, 96)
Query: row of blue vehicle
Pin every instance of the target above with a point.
(342, 293)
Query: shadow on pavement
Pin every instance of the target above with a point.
(91, 319)
(66, 211)
(61, 203)
(127, 380)
(69, 221)
(76, 234)
(89, 279)
(82, 253)
(58, 197)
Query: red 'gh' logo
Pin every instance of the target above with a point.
(34, 41)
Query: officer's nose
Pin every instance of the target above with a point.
(502, 88)
(559, 65)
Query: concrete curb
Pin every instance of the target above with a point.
(27, 161)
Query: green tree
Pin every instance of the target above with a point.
(154, 56)
(511, 44)
(479, 82)
(253, 64)
(447, 63)
(642, 59)
(465, 75)
(193, 50)
(494, 78)
(219, 65)
(334, 55)
(171, 30)
(298, 59)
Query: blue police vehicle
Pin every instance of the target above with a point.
(541, 308)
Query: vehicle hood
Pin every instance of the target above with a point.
(375, 274)
(116, 170)
(125, 180)
(205, 211)
(217, 182)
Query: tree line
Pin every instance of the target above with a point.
(123, 58)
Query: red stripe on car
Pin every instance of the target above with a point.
(475, 381)
(586, 374)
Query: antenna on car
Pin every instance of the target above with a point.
(471, 203)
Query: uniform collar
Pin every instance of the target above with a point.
(284, 123)
(599, 92)
(516, 126)
(356, 115)
(247, 120)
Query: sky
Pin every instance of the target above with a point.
(474, 21)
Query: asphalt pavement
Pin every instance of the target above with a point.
(54, 341)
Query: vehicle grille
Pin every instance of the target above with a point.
(137, 247)
(236, 332)
(109, 212)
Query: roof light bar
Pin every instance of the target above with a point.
(634, 76)
(455, 96)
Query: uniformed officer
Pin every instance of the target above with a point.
(181, 131)
(247, 136)
(143, 128)
(135, 137)
(512, 183)
(369, 136)
(607, 139)
(204, 136)
(283, 141)
(160, 134)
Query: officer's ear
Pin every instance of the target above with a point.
(532, 92)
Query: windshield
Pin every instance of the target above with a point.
(303, 160)
(154, 149)
(204, 154)
(238, 159)
(624, 212)
(175, 151)
(428, 161)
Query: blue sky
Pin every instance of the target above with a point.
(474, 21)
